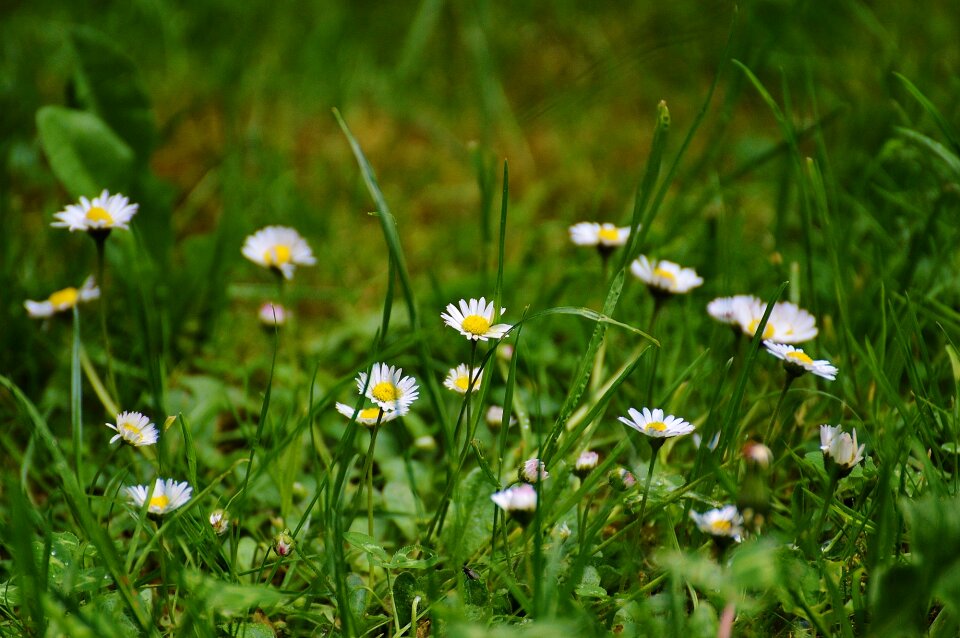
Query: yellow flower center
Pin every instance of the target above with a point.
(722, 526)
(160, 502)
(462, 382)
(277, 255)
(131, 431)
(369, 413)
(66, 298)
(767, 332)
(658, 426)
(665, 274)
(796, 355)
(475, 324)
(608, 234)
(386, 392)
(97, 214)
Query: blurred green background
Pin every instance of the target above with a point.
(238, 134)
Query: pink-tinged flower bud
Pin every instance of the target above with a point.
(586, 463)
(532, 471)
(621, 479)
(283, 543)
(758, 454)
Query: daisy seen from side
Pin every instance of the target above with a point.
(458, 379)
(134, 428)
(97, 216)
(279, 248)
(723, 523)
(788, 323)
(654, 424)
(664, 277)
(62, 300)
(797, 362)
(369, 416)
(167, 495)
(474, 319)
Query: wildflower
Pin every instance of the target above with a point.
(505, 352)
(167, 495)
(495, 417)
(134, 428)
(796, 362)
(62, 300)
(840, 449)
(388, 388)
(586, 463)
(272, 314)
(562, 531)
(605, 237)
(97, 217)
(724, 309)
(474, 320)
(370, 416)
(723, 523)
(655, 425)
(757, 454)
(458, 379)
(519, 501)
(219, 521)
(711, 444)
(788, 323)
(533, 471)
(280, 248)
(665, 277)
(621, 479)
(283, 543)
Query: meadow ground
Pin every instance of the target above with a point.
(179, 459)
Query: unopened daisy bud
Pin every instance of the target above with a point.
(757, 454)
(495, 417)
(621, 479)
(283, 543)
(519, 501)
(425, 442)
(219, 521)
(299, 489)
(532, 471)
(562, 531)
(586, 463)
(840, 450)
(505, 352)
(272, 315)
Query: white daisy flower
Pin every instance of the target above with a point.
(840, 447)
(388, 388)
(474, 320)
(586, 463)
(280, 248)
(519, 498)
(272, 314)
(219, 521)
(797, 362)
(134, 428)
(167, 495)
(725, 522)
(458, 380)
(665, 276)
(62, 300)
(103, 214)
(533, 471)
(654, 424)
(788, 323)
(370, 416)
(724, 309)
(599, 235)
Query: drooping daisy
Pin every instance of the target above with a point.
(533, 471)
(279, 248)
(101, 215)
(474, 320)
(62, 300)
(388, 388)
(458, 379)
(788, 323)
(167, 495)
(796, 362)
(605, 237)
(665, 277)
(655, 425)
(272, 314)
(724, 309)
(840, 448)
(723, 523)
(134, 428)
(370, 416)
(520, 501)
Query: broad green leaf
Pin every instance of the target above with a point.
(84, 154)
(368, 544)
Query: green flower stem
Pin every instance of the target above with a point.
(827, 500)
(76, 396)
(657, 305)
(772, 426)
(101, 243)
(655, 451)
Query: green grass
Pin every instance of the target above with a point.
(434, 151)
